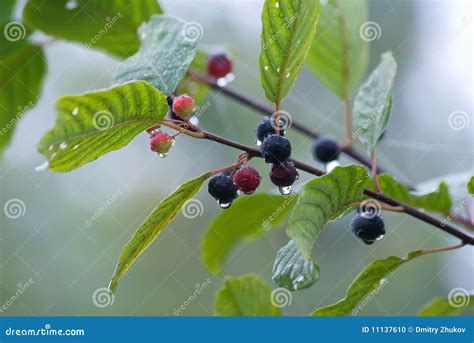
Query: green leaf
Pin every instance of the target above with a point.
(338, 55)
(288, 28)
(367, 285)
(198, 90)
(91, 125)
(248, 218)
(22, 69)
(461, 302)
(470, 185)
(438, 201)
(110, 25)
(246, 295)
(373, 102)
(324, 199)
(292, 271)
(153, 225)
(166, 52)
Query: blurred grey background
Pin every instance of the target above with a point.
(68, 260)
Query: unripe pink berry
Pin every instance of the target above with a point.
(161, 142)
(247, 179)
(184, 106)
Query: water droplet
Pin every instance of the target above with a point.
(42, 167)
(221, 82)
(277, 4)
(258, 142)
(379, 237)
(75, 111)
(53, 155)
(278, 69)
(266, 67)
(163, 155)
(70, 5)
(287, 75)
(194, 120)
(224, 205)
(285, 190)
(230, 77)
(51, 147)
(75, 147)
(331, 165)
(63, 145)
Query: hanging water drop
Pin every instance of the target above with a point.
(224, 205)
(221, 82)
(163, 155)
(42, 167)
(230, 77)
(285, 190)
(331, 165)
(379, 237)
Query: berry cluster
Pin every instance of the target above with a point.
(224, 187)
(276, 150)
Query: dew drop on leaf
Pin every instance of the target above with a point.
(63, 145)
(75, 111)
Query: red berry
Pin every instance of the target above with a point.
(184, 106)
(161, 142)
(247, 179)
(219, 65)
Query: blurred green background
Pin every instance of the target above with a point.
(69, 260)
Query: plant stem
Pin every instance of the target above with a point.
(378, 196)
(267, 110)
(452, 247)
(374, 173)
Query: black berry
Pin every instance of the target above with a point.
(222, 188)
(265, 128)
(275, 149)
(284, 174)
(326, 150)
(368, 227)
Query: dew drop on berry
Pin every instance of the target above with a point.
(379, 237)
(222, 82)
(285, 190)
(331, 165)
(224, 205)
(230, 77)
(163, 155)
(258, 142)
(42, 167)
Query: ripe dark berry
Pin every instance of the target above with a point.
(161, 142)
(183, 106)
(368, 227)
(275, 149)
(326, 150)
(222, 188)
(219, 65)
(284, 174)
(247, 179)
(265, 128)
